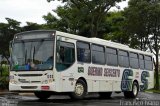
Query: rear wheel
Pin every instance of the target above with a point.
(80, 90)
(42, 94)
(105, 95)
(134, 92)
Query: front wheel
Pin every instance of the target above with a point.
(80, 90)
(134, 92)
(42, 95)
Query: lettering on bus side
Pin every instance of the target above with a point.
(107, 72)
(126, 83)
(144, 80)
(95, 71)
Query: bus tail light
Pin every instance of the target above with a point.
(44, 87)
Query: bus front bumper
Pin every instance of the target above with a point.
(31, 87)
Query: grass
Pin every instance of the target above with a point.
(153, 90)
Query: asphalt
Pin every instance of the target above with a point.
(6, 92)
(143, 99)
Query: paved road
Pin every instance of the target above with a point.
(143, 99)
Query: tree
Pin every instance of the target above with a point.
(92, 11)
(143, 23)
(7, 31)
(31, 26)
(115, 30)
(68, 20)
(51, 21)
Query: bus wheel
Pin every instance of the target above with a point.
(80, 90)
(134, 92)
(105, 95)
(42, 94)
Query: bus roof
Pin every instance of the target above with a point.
(103, 42)
(26, 32)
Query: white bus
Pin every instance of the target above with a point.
(48, 62)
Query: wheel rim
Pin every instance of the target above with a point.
(79, 89)
(135, 90)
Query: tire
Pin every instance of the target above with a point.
(42, 95)
(134, 92)
(105, 95)
(80, 90)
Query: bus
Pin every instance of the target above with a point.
(48, 62)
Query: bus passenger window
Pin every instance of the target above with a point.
(134, 63)
(148, 62)
(123, 58)
(141, 61)
(98, 54)
(111, 56)
(83, 52)
(65, 55)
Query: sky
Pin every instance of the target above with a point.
(31, 10)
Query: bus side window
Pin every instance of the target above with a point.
(148, 62)
(98, 54)
(111, 56)
(141, 61)
(134, 63)
(123, 58)
(83, 52)
(65, 55)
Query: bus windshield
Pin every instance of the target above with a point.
(32, 55)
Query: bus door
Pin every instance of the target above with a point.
(65, 58)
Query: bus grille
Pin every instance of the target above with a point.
(29, 75)
(28, 87)
(37, 82)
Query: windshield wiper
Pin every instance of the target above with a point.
(34, 53)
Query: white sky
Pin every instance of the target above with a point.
(30, 10)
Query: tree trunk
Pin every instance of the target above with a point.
(157, 64)
(156, 74)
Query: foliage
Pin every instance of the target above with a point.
(116, 32)
(4, 83)
(31, 26)
(4, 79)
(88, 14)
(51, 22)
(7, 30)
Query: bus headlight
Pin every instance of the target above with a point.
(45, 82)
(13, 81)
